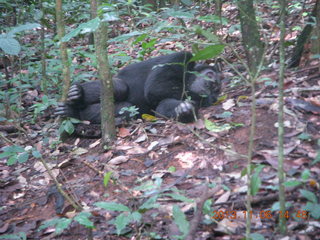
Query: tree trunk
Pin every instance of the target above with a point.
(107, 102)
(315, 39)
(44, 79)
(250, 34)
(303, 38)
(93, 14)
(63, 51)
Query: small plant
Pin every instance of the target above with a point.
(14, 154)
(132, 110)
(17, 236)
(67, 125)
(61, 224)
(40, 107)
(9, 44)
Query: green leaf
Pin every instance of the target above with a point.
(315, 56)
(121, 222)
(83, 219)
(13, 149)
(68, 126)
(86, 27)
(110, 16)
(305, 174)
(12, 160)
(140, 38)
(208, 53)
(172, 169)
(5, 154)
(207, 207)
(179, 197)
(181, 220)
(256, 181)
(106, 178)
(187, 2)
(292, 183)
(256, 236)
(309, 195)
(126, 36)
(112, 206)
(224, 115)
(180, 14)
(17, 236)
(315, 212)
(149, 204)
(317, 159)
(136, 217)
(275, 207)
(23, 157)
(36, 154)
(255, 184)
(59, 223)
(213, 127)
(213, 19)
(210, 36)
(24, 27)
(10, 46)
(304, 136)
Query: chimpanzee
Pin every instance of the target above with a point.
(168, 85)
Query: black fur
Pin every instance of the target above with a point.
(170, 85)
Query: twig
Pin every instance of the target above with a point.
(71, 201)
(196, 220)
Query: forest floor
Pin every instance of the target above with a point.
(170, 160)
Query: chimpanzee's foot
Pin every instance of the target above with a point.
(75, 93)
(185, 112)
(63, 110)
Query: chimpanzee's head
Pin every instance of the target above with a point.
(206, 86)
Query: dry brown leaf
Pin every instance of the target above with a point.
(118, 160)
(123, 132)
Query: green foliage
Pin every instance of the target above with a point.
(181, 221)
(60, 224)
(106, 178)
(256, 236)
(86, 27)
(317, 159)
(123, 219)
(312, 206)
(276, 206)
(147, 46)
(126, 36)
(208, 52)
(83, 219)
(213, 19)
(313, 209)
(9, 44)
(111, 206)
(128, 216)
(17, 236)
(255, 179)
(214, 127)
(224, 115)
(179, 197)
(44, 105)
(310, 196)
(121, 222)
(304, 136)
(67, 125)
(132, 110)
(14, 154)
